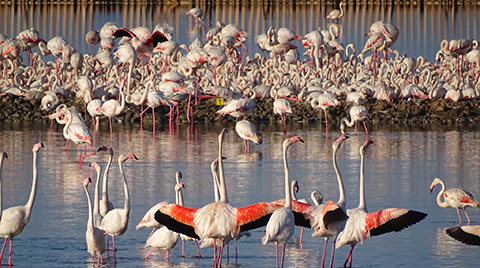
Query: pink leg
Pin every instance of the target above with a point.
(79, 160)
(10, 253)
(146, 256)
(333, 253)
(276, 254)
(459, 217)
(366, 130)
(326, 122)
(3, 249)
(66, 145)
(355, 128)
(154, 228)
(111, 132)
(168, 251)
(324, 252)
(349, 256)
(301, 235)
(283, 254)
(114, 251)
(466, 215)
(245, 145)
(198, 250)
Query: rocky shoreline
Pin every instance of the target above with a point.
(415, 111)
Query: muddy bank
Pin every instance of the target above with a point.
(418, 111)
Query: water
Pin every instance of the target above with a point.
(399, 169)
(422, 27)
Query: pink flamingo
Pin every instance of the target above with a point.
(247, 131)
(336, 14)
(142, 46)
(163, 238)
(362, 225)
(78, 133)
(281, 225)
(14, 219)
(94, 236)
(335, 228)
(469, 235)
(376, 42)
(357, 113)
(112, 108)
(196, 13)
(281, 106)
(455, 198)
(92, 38)
(115, 222)
(323, 101)
(217, 220)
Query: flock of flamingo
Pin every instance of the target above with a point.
(152, 71)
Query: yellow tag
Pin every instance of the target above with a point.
(219, 102)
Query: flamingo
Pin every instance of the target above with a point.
(281, 225)
(376, 42)
(336, 14)
(115, 222)
(455, 198)
(78, 133)
(323, 101)
(14, 219)
(357, 113)
(142, 46)
(105, 204)
(163, 238)
(247, 131)
(281, 106)
(469, 235)
(126, 53)
(217, 220)
(113, 108)
(362, 225)
(196, 13)
(94, 236)
(294, 189)
(335, 228)
(97, 218)
(92, 38)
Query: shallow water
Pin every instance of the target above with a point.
(399, 169)
(422, 27)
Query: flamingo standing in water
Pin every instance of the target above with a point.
(455, 198)
(94, 236)
(362, 225)
(112, 108)
(357, 113)
(247, 131)
(163, 238)
(469, 235)
(217, 220)
(336, 14)
(14, 219)
(335, 228)
(115, 222)
(78, 133)
(281, 225)
(323, 101)
(196, 13)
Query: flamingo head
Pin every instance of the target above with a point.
(179, 186)
(434, 183)
(86, 182)
(37, 147)
(4, 155)
(179, 174)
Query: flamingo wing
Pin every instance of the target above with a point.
(178, 219)
(155, 38)
(120, 32)
(333, 213)
(255, 216)
(300, 211)
(391, 219)
(469, 235)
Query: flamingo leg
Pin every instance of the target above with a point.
(301, 235)
(459, 217)
(79, 160)
(366, 130)
(283, 254)
(349, 256)
(324, 252)
(355, 128)
(466, 214)
(154, 228)
(10, 253)
(146, 256)
(333, 253)
(114, 251)
(183, 245)
(66, 145)
(111, 132)
(3, 249)
(168, 251)
(276, 254)
(198, 250)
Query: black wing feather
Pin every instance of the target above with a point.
(120, 32)
(157, 37)
(459, 234)
(335, 215)
(398, 224)
(175, 225)
(262, 221)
